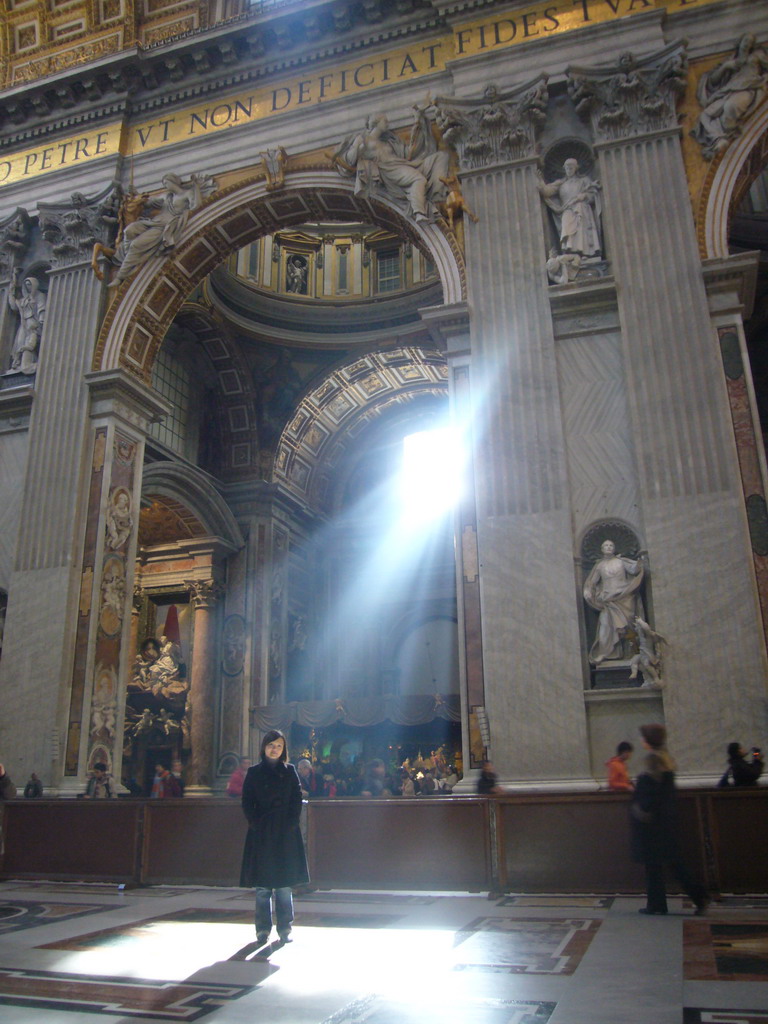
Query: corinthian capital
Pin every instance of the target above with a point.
(72, 229)
(496, 129)
(634, 96)
(14, 241)
(204, 593)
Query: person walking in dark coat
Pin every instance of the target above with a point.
(654, 826)
(273, 857)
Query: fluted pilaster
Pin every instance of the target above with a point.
(696, 527)
(526, 571)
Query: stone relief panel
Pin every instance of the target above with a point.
(409, 173)
(150, 225)
(728, 94)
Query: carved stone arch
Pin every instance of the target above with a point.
(330, 418)
(728, 180)
(182, 487)
(147, 303)
(236, 395)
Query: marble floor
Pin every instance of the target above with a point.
(72, 953)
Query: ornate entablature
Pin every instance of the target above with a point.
(634, 96)
(497, 128)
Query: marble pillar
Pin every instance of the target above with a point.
(202, 705)
(45, 579)
(531, 645)
(704, 592)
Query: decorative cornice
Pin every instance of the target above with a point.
(634, 96)
(243, 50)
(497, 128)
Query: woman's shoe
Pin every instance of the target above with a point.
(262, 938)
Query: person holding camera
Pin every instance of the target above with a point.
(740, 771)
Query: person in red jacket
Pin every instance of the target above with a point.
(236, 779)
(618, 776)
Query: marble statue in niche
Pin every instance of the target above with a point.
(296, 275)
(158, 222)
(574, 200)
(410, 174)
(647, 659)
(28, 301)
(728, 94)
(562, 267)
(612, 588)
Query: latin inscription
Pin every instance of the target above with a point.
(537, 21)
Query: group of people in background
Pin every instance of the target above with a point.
(370, 780)
(653, 816)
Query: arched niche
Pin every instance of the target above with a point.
(191, 490)
(147, 303)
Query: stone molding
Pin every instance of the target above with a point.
(117, 393)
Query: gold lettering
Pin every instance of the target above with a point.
(287, 98)
(196, 117)
(407, 63)
(358, 83)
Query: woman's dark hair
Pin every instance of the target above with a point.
(734, 750)
(624, 746)
(270, 737)
(655, 735)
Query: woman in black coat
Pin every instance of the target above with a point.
(273, 858)
(654, 826)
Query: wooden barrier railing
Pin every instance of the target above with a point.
(520, 843)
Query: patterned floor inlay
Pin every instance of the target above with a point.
(376, 1009)
(18, 915)
(157, 1000)
(93, 889)
(742, 902)
(582, 902)
(725, 951)
(127, 935)
(523, 945)
(695, 1016)
(394, 898)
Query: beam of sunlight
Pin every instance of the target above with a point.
(431, 479)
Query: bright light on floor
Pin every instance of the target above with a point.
(433, 464)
